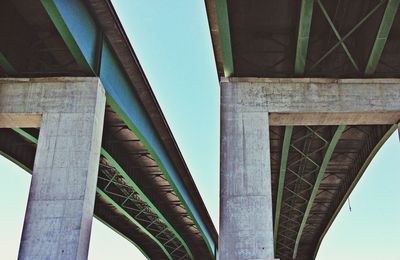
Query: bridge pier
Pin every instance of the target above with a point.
(248, 107)
(62, 193)
(246, 229)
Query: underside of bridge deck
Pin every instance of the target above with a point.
(145, 191)
(297, 157)
(308, 38)
(317, 156)
(133, 195)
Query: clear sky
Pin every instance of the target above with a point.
(172, 41)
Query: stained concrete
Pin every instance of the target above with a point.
(246, 229)
(316, 101)
(248, 107)
(61, 198)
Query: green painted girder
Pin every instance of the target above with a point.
(224, 36)
(69, 17)
(66, 34)
(6, 65)
(281, 184)
(365, 18)
(337, 35)
(303, 37)
(381, 38)
(355, 181)
(133, 220)
(327, 157)
(133, 185)
(153, 208)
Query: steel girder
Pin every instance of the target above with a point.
(374, 141)
(224, 36)
(382, 35)
(314, 191)
(300, 176)
(93, 52)
(377, 49)
(118, 185)
(303, 35)
(117, 188)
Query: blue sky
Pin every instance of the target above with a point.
(172, 41)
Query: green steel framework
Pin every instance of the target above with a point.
(141, 211)
(354, 182)
(225, 37)
(282, 173)
(88, 63)
(299, 178)
(303, 36)
(383, 33)
(173, 243)
(392, 7)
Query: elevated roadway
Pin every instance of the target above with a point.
(293, 77)
(144, 189)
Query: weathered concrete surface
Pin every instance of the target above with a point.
(248, 107)
(61, 198)
(246, 229)
(316, 101)
(12, 120)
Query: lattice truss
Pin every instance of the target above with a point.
(308, 146)
(114, 185)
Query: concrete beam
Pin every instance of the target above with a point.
(14, 120)
(61, 198)
(315, 101)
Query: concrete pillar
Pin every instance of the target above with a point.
(246, 226)
(61, 198)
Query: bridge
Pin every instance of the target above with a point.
(309, 93)
(76, 109)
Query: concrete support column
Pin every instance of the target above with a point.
(61, 198)
(246, 226)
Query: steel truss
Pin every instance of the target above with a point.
(111, 182)
(307, 7)
(310, 149)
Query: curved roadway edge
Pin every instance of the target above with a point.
(121, 171)
(126, 214)
(359, 175)
(129, 92)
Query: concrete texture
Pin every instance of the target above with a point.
(21, 120)
(248, 107)
(246, 229)
(316, 101)
(61, 198)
